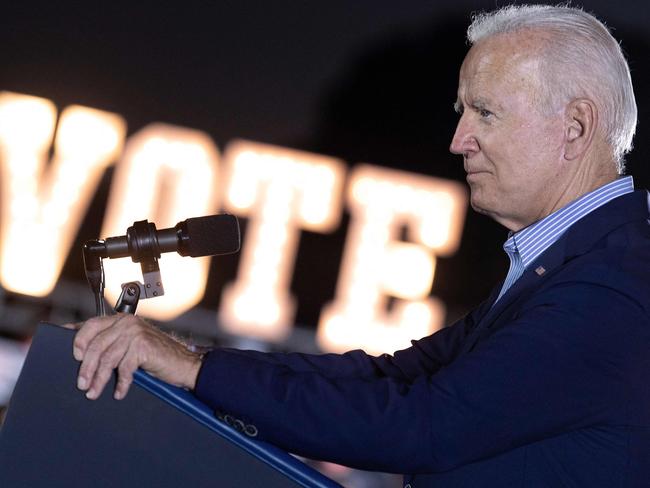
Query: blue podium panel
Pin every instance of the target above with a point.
(159, 436)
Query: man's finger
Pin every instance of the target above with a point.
(125, 371)
(107, 362)
(89, 330)
(95, 350)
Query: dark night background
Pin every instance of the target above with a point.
(366, 81)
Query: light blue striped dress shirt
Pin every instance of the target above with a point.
(526, 245)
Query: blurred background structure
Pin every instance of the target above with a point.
(326, 117)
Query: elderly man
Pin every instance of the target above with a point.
(545, 383)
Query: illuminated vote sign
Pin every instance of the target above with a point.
(166, 173)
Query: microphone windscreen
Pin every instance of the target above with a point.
(211, 235)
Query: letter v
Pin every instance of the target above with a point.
(42, 205)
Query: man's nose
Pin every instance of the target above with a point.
(463, 140)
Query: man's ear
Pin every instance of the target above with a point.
(581, 124)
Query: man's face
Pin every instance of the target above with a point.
(512, 150)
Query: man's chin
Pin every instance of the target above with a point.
(484, 209)
(478, 205)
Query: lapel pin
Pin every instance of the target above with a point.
(540, 270)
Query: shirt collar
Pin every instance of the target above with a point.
(533, 240)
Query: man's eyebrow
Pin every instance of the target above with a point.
(480, 103)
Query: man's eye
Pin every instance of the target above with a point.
(484, 113)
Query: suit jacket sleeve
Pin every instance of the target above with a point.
(425, 356)
(566, 360)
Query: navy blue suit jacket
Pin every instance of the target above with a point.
(550, 386)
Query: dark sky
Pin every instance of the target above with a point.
(363, 80)
(234, 69)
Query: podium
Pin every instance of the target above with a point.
(158, 436)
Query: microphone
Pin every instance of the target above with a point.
(195, 237)
(199, 236)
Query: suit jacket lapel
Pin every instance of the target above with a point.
(579, 239)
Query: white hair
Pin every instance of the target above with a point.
(581, 59)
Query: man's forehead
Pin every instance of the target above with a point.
(504, 51)
(506, 59)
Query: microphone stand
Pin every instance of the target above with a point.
(93, 253)
(129, 298)
(142, 238)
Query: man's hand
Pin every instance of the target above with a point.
(126, 342)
